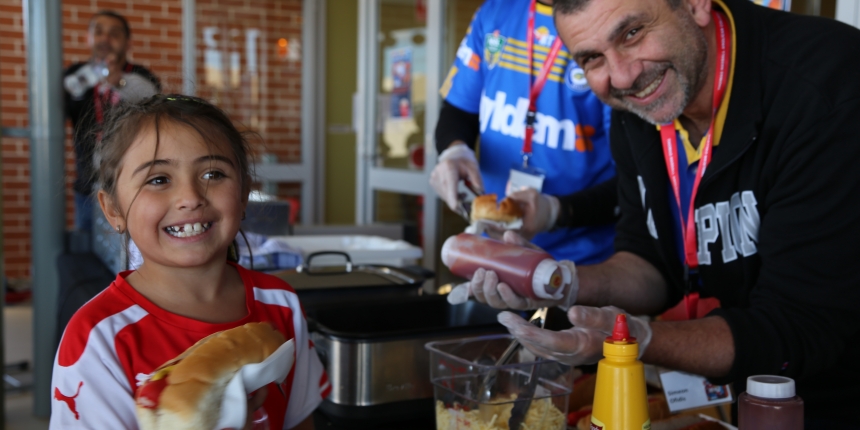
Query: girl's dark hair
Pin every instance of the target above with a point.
(126, 120)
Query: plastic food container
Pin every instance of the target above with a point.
(361, 249)
(472, 392)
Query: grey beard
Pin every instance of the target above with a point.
(695, 59)
(645, 113)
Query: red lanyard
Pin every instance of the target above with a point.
(669, 137)
(100, 99)
(106, 97)
(535, 90)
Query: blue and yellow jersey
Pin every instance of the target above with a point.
(491, 77)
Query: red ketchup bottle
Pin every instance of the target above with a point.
(770, 403)
(529, 272)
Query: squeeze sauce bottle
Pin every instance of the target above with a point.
(529, 272)
(620, 397)
(770, 403)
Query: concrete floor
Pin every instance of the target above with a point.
(18, 332)
(19, 413)
(18, 342)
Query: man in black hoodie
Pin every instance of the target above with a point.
(754, 116)
(92, 88)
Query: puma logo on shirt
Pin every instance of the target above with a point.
(69, 400)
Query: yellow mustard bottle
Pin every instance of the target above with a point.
(620, 397)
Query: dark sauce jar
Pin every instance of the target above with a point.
(769, 403)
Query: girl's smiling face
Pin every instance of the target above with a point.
(182, 206)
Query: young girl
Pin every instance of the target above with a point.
(173, 172)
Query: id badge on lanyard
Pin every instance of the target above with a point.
(524, 175)
(669, 137)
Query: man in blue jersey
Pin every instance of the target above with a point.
(489, 91)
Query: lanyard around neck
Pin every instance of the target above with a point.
(670, 148)
(106, 96)
(536, 88)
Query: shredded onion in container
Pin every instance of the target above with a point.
(542, 415)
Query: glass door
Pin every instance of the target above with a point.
(400, 49)
(405, 50)
(258, 65)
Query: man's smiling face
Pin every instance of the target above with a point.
(640, 56)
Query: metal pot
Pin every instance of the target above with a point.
(375, 356)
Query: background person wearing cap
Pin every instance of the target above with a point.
(91, 89)
(758, 112)
(487, 93)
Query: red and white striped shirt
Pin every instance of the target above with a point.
(119, 337)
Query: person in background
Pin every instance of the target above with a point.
(91, 89)
(174, 176)
(487, 93)
(735, 139)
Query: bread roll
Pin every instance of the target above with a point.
(485, 208)
(186, 392)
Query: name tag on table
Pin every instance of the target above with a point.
(688, 391)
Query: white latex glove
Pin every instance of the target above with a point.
(455, 163)
(540, 211)
(486, 288)
(582, 344)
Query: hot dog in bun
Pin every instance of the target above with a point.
(186, 392)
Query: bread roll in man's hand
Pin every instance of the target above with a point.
(486, 208)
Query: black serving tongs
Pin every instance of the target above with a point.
(526, 392)
(524, 398)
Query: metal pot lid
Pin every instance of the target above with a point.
(308, 276)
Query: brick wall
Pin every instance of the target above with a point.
(16, 167)
(264, 93)
(249, 63)
(272, 109)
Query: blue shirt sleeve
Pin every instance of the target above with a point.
(465, 82)
(607, 121)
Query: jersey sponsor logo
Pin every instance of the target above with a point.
(494, 43)
(543, 37)
(736, 221)
(69, 400)
(468, 56)
(575, 78)
(510, 120)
